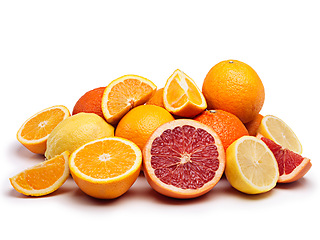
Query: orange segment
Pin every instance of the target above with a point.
(43, 178)
(182, 97)
(124, 93)
(34, 132)
(106, 168)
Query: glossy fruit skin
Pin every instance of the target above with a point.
(228, 127)
(235, 87)
(139, 123)
(90, 102)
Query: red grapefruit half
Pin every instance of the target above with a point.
(183, 159)
(292, 166)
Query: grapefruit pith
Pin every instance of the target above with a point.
(292, 166)
(183, 159)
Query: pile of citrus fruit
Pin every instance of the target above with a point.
(182, 138)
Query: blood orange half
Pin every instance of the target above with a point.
(292, 166)
(183, 159)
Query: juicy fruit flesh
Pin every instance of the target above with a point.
(277, 129)
(185, 157)
(38, 178)
(255, 162)
(105, 159)
(121, 91)
(45, 122)
(180, 90)
(287, 160)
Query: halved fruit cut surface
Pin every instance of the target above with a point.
(183, 159)
(107, 167)
(251, 167)
(123, 94)
(182, 97)
(34, 132)
(278, 131)
(292, 166)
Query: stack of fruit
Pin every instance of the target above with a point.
(182, 138)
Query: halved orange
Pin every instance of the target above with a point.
(183, 159)
(106, 168)
(34, 132)
(123, 94)
(43, 178)
(182, 97)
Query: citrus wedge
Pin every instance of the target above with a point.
(278, 131)
(292, 166)
(123, 94)
(106, 168)
(182, 97)
(34, 132)
(250, 166)
(43, 178)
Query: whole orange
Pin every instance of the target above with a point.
(140, 122)
(228, 127)
(90, 102)
(235, 87)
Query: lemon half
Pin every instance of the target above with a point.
(250, 166)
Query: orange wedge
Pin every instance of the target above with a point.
(123, 94)
(182, 97)
(106, 168)
(43, 178)
(34, 132)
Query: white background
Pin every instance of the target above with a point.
(52, 52)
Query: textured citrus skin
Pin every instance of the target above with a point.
(75, 131)
(139, 123)
(235, 87)
(90, 102)
(228, 127)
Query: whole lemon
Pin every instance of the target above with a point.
(234, 87)
(75, 131)
(140, 122)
